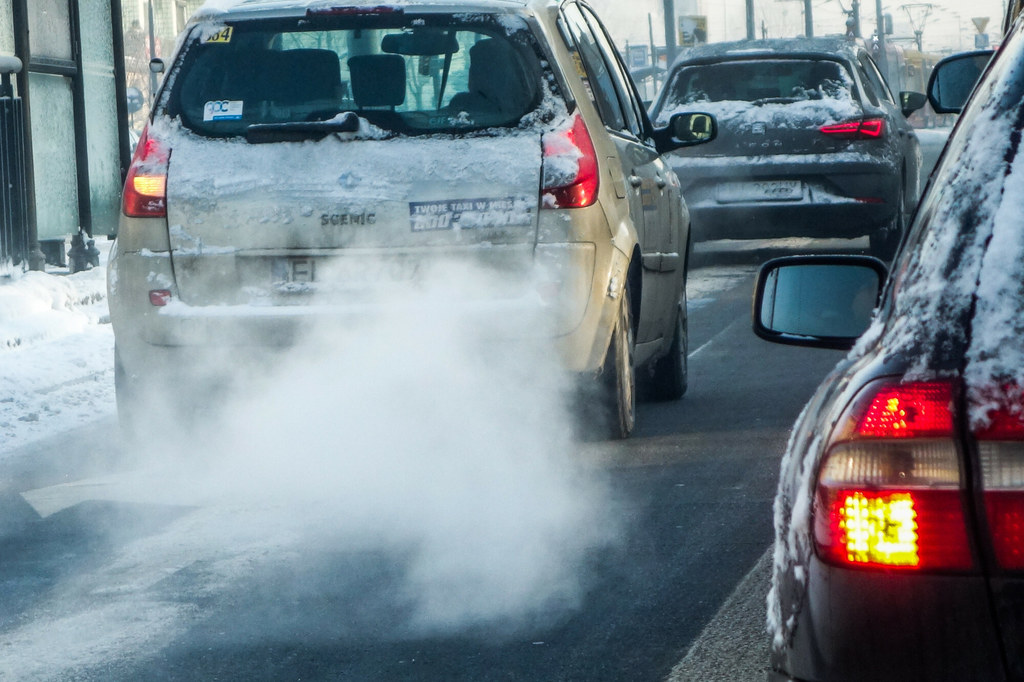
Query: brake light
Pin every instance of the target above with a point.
(145, 187)
(1001, 454)
(570, 167)
(869, 128)
(889, 491)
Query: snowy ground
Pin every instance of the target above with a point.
(56, 354)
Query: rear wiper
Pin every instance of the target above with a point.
(297, 131)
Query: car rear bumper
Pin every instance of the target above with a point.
(157, 340)
(850, 197)
(887, 625)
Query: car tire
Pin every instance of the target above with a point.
(618, 379)
(668, 376)
(885, 241)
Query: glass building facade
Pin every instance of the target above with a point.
(72, 85)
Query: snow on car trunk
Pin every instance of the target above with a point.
(351, 208)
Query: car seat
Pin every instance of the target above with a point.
(497, 82)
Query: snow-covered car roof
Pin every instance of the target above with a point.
(741, 49)
(239, 9)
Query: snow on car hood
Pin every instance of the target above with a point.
(957, 293)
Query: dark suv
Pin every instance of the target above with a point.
(811, 142)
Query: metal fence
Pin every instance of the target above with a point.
(13, 197)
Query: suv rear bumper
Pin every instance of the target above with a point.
(848, 196)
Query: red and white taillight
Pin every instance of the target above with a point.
(570, 167)
(145, 187)
(1001, 459)
(865, 129)
(890, 488)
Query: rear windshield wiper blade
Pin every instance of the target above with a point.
(297, 131)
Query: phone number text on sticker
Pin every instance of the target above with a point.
(463, 214)
(222, 110)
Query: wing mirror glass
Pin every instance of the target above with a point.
(693, 128)
(953, 80)
(824, 301)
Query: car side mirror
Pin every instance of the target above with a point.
(953, 80)
(912, 101)
(822, 301)
(686, 130)
(692, 128)
(156, 65)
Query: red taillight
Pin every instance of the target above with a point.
(145, 187)
(914, 410)
(1001, 456)
(160, 297)
(869, 128)
(570, 168)
(889, 491)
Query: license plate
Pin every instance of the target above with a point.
(298, 270)
(760, 190)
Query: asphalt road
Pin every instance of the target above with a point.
(104, 580)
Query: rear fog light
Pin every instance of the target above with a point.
(889, 491)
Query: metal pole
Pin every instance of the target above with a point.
(670, 31)
(856, 18)
(883, 58)
(808, 19)
(152, 54)
(750, 20)
(36, 259)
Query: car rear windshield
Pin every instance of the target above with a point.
(402, 73)
(761, 80)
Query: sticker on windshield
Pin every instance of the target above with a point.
(219, 34)
(222, 110)
(468, 214)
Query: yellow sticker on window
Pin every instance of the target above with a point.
(221, 35)
(580, 70)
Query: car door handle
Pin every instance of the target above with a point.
(635, 180)
(662, 182)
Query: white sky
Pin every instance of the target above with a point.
(726, 19)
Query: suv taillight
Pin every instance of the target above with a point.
(145, 187)
(889, 490)
(1001, 455)
(867, 129)
(570, 167)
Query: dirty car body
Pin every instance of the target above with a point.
(304, 159)
(899, 553)
(812, 143)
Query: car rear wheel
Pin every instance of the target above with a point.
(618, 380)
(668, 376)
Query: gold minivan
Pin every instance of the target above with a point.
(301, 156)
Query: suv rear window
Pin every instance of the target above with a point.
(403, 74)
(761, 80)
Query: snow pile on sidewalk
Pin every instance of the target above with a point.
(56, 354)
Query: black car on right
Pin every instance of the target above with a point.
(899, 516)
(811, 142)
